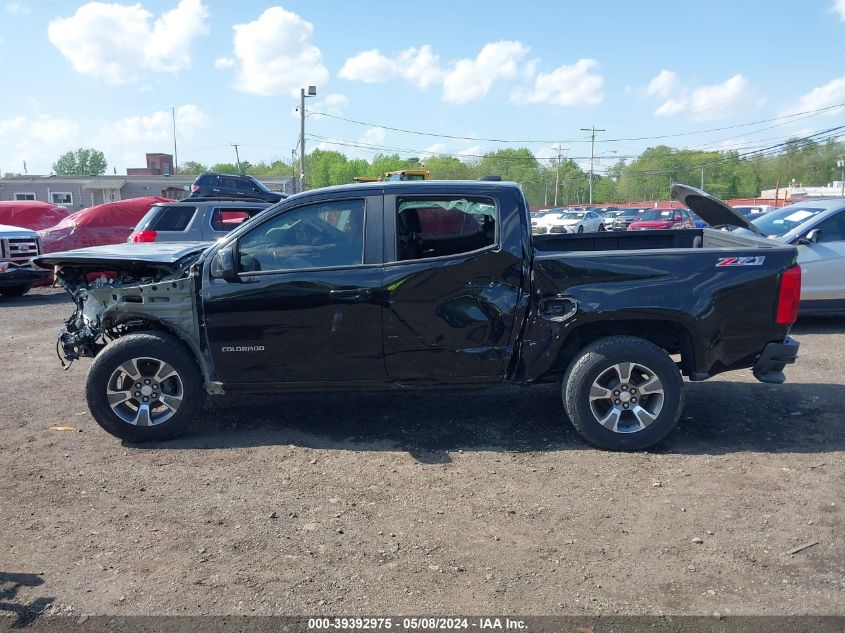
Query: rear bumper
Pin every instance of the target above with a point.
(773, 358)
(20, 276)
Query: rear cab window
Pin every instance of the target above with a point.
(428, 227)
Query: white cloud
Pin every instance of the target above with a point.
(704, 103)
(370, 67)
(565, 86)
(839, 8)
(372, 136)
(663, 85)
(830, 94)
(223, 63)
(37, 140)
(276, 55)
(333, 103)
(157, 126)
(17, 8)
(419, 66)
(117, 43)
(471, 79)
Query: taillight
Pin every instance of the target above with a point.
(143, 236)
(195, 188)
(789, 296)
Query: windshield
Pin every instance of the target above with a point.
(658, 214)
(572, 216)
(782, 221)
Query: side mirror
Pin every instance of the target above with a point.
(812, 237)
(223, 265)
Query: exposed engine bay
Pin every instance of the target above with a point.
(117, 300)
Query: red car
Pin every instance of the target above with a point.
(652, 219)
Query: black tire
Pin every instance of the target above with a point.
(602, 228)
(600, 359)
(147, 348)
(15, 291)
(581, 228)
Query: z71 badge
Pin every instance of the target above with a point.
(740, 261)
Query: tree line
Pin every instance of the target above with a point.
(726, 174)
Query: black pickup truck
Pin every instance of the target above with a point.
(420, 285)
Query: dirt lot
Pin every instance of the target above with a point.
(424, 503)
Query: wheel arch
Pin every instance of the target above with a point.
(147, 323)
(673, 336)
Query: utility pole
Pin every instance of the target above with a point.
(237, 156)
(557, 171)
(702, 179)
(592, 130)
(293, 168)
(841, 164)
(175, 153)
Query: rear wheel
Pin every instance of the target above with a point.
(15, 291)
(145, 386)
(623, 393)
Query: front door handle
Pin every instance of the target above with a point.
(352, 294)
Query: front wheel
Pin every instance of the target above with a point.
(623, 393)
(144, 387)
(15, 291)
(581, 228)
(602, 228)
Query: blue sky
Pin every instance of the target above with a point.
(107, 74)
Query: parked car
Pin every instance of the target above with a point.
(194, 220)
(753, 210)
(18, 246)
(817, 228)
(316, 294)
(568, 221)
(663, 219)
(623, 219)
(699, 223)
(210, 185)
(102, 224)
(31, 214)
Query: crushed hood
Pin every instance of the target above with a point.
(710, 209)
(159, 255)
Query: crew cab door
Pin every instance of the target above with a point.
(452, 287)
(304, 307)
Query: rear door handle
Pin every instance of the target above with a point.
(353, 294)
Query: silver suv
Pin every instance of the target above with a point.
(194, 219)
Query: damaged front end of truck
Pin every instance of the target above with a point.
(127, 288)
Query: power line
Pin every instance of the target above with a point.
(578, 140)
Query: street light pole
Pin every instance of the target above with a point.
(312, 92)
(841, 164)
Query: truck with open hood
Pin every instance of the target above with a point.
(423, 285)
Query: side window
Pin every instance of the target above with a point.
(227, 183)
(226, 219)
(833, 229)
(443, 226)
(172, 218)
(246, 185)
(313, 236)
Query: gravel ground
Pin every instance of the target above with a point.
(420, 503)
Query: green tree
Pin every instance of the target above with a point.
(82, 162)
(191, 167)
